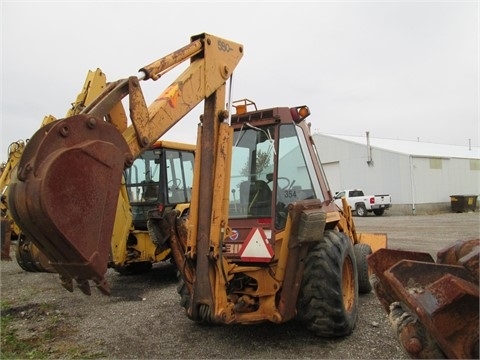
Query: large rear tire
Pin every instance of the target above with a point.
(328, 298)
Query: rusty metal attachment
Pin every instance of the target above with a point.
(432, 306)
(68, 178)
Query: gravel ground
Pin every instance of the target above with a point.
(142, 319)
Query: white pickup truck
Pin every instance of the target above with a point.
(363, 204)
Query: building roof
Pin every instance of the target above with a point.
(414, 148)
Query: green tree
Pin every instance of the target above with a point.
(262, 162)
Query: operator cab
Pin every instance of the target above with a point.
(159, 179)
(271, 168)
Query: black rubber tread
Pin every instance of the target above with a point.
(182, 289)
(361, 253)
(320, 303)
(379, 212)
(204, 311)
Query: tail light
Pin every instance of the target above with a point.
(372, 200)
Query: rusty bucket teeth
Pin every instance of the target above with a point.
(65, 192)
(103, 287)
(67, 283)
(84, 286)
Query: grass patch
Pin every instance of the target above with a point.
(37, 331)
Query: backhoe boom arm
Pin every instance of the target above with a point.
(65, 193)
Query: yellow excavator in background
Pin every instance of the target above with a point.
(263, 239)
(9, 229)
(159, 181)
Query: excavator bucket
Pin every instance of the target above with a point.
(65, 193)
(433, 306)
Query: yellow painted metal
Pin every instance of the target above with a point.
(283, 240)
(192, 220)
(375, 240)
(122, 227)
(95, 83)
(221, 187)
(174, 145)
(348, 284)
(15, 151)
(147, 250)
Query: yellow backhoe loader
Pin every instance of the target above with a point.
(263, 239)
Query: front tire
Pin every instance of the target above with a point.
(328, 298)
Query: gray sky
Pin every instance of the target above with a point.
(399, 69)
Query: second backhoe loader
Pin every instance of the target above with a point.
(263, 240)
(8, 228)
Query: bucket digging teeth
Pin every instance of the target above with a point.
(70, 217)
(67, 283)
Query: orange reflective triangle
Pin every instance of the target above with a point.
(256, 247)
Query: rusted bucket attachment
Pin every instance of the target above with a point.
(70, 217)
(433, 306)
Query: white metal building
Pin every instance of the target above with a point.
(420, 177)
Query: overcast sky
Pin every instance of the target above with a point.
(398, 69)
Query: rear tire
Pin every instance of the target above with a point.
(361, 210)
(328, 298)
(204, 311)
(182, 290)
(379, 212)
(361, 253)
(30, 258)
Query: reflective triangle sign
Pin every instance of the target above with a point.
(256, 247)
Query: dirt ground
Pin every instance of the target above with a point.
(142, 319)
